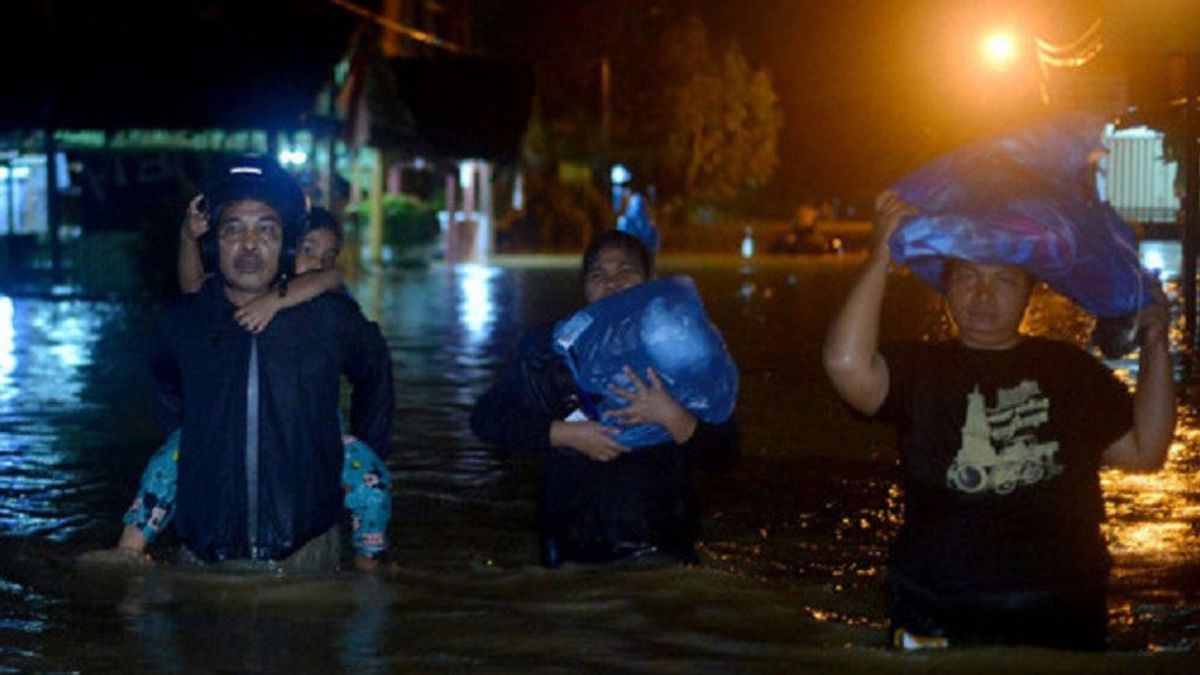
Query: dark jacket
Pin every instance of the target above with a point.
(589, 508)
(280, 427)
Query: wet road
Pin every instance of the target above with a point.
(795, 537)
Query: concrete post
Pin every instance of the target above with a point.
(451, 235)
(375, 219)
(487, 224)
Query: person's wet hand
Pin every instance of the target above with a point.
(890, 211)
(589, 438)
(195, 221)
(1154, 322)
(255, 315)
(650, 402)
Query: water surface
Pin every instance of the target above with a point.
(795, 540)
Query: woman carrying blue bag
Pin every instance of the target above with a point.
(618, 441)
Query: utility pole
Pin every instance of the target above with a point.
(390, 44)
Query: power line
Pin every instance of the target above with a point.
(397, 27)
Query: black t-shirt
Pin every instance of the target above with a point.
(999, 454)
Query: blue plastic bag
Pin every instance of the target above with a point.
(1026, 199)
(636, 221)
(661, 325)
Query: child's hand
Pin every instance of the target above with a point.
(129, 553)
(195, 221)
(256, 314)
(591, 439)
(653, 403)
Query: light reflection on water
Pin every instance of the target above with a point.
(8, 358)
(795, 539)
(45, 356)
(475, 309)
(1153, 531)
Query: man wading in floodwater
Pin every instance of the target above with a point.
(260, 455)
(1001, 436)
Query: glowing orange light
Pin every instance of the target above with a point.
(999, 50)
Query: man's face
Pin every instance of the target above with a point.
(613, 270)
(250, 235)
(987, 303)
(318, 250)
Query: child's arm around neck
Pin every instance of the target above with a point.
(255, 316)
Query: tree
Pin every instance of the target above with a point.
(690, 117)
(718, 119)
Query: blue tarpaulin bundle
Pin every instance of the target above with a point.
(1027, 199)
(636, 221)
(661, 325)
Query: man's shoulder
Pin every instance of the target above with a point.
(336, 304)
(1062, 358)
(915, 349)
(186, 308)
(337, 314)
(1053, 349)
(1050, 344)
(337, 298)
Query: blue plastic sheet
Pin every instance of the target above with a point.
(636, 221)
(1027, 199)
(661, 325)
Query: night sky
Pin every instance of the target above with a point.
(868, 88)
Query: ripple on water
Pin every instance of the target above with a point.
(795, 538)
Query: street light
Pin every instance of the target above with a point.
(999, 50)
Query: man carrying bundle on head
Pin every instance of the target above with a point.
(1001, 436)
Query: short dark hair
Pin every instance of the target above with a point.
(621, 240)
(322, 219)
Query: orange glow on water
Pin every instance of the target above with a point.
(1152, 517)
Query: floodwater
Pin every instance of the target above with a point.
(795, 541)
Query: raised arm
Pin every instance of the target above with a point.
(1145, 447)
(255, 315)
(851, 353)
(190, 266)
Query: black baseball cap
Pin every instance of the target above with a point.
(261, 179)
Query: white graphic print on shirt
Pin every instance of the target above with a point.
(999, 448)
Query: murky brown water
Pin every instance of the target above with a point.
(796, 536)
